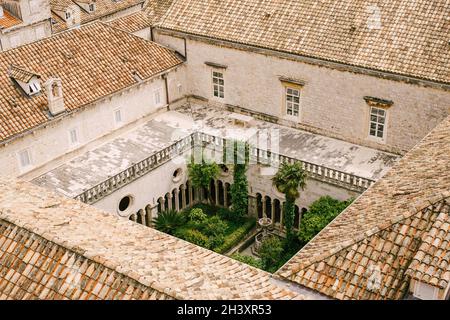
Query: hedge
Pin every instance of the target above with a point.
(234, 238)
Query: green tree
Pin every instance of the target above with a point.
(201, 174)
(239, 188)
(320, 214)
(271, 252)
(289, 179)
(168, 221)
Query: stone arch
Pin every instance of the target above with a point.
(221, 201)
(259, 205)
(187, 194)
(167, 202)
(268, 206)
(133, 217)
(161, 203)
(174, 199)
(212, 190)
(277, 211)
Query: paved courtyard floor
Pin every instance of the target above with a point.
(114, 156)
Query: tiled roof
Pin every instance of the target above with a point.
(45, 239)
(102, 8)
(431, 264)
(131, 23)
(8, 20)
(32, 267)
(156, 9)
(92, 62)
(398, 36)
(385, 222)
(21, 74)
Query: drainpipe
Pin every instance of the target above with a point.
(167, 90)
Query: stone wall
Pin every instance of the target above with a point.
(331, 100)
(51, 143)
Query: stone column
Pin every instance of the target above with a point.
(177, 200)
(162, 204)
(169, 200)
(149, 215)
(282, 215)
(272, 212)
(191, 196)
(142, 215)
(183, 196)
(264, 209)
(252, 206)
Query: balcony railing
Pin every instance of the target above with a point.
(203, 140)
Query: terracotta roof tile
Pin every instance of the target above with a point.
(131, 23)
(383, 233)
(103, 8)
(401, 36)
(148, 264)
(8, 20)
(73, 57)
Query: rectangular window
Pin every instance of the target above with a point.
(34, 88)
(24, 159)
(377, 122)
(218, 85)
(73, 137)
(118, 116)
(157, 95)
(292, 101)
(424, 291)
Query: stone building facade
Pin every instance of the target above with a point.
(23, 21)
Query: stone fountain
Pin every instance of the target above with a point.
(264, 223)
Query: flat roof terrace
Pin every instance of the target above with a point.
(113, 157)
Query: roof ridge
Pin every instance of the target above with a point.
(375, 230)
(107, 263)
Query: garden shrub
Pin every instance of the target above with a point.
(214, 226)
(237, 236)
(169, 221)
(197, 214)
(320, 214)
(194, 236)
(271, 252)
(251, 261)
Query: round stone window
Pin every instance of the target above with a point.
(224, 170)
(177, 175)
(125, 203)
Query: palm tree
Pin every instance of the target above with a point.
(168, 221)
(289, 179)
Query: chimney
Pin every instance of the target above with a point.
(55, 98)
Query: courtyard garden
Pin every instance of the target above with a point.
(232, 231)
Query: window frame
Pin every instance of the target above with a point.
(377, 123)
(29, 156)
(116, 122)
(77, 135)
(213, 77)
(295, 87)
(159, 92)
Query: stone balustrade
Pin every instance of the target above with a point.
(203, 140)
